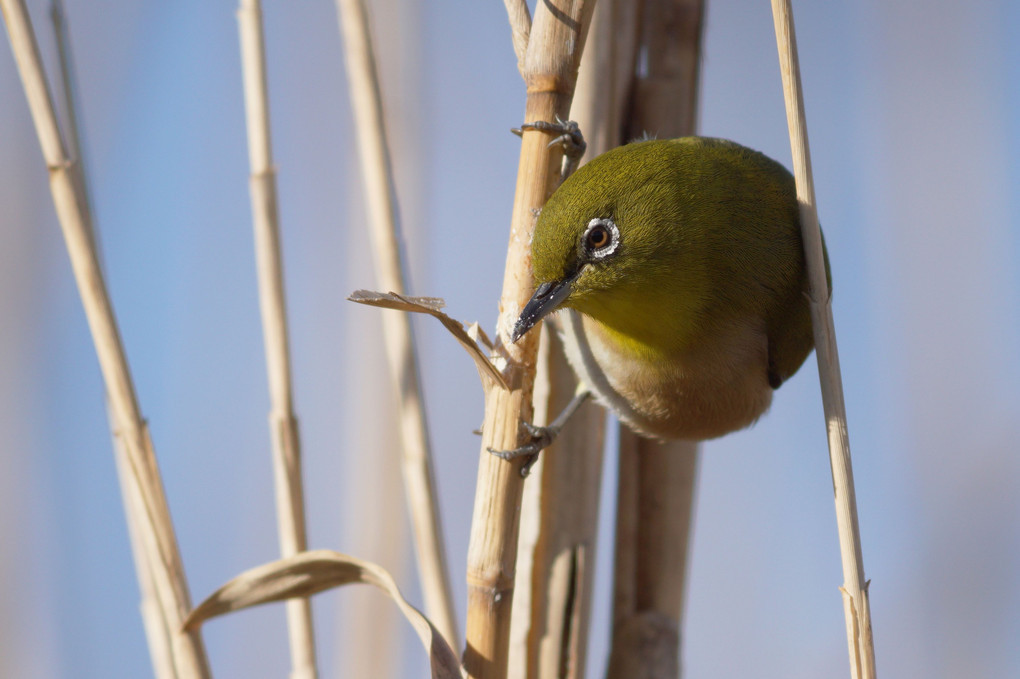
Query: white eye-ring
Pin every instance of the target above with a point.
(601, 238)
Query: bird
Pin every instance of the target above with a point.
(681, 265)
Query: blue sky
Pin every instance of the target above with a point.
(914, 119)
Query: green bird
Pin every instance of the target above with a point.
(684, 260)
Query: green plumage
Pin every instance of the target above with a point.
(705, 283)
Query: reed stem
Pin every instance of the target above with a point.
(656, 491)
(549, 68)
(856, 606)
(283, 425)
(154, 525)
(377, 173)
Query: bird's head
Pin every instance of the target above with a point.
(606, 242)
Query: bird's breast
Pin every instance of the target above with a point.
(719, 386)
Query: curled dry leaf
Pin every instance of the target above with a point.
(312, 572)
(433, 307)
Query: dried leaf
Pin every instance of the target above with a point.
(316, 571)
(476, 333)
(433, 306)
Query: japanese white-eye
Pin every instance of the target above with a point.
(684, 259)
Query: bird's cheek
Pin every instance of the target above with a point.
(582, 299)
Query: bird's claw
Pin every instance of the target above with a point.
(569, 137)
(541, 438)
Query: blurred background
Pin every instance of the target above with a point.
(914, 115)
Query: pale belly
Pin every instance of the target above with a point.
(701, 395)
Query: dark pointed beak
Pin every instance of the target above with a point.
(547, 299)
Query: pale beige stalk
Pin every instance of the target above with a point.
(556, 550)
(606, 75)
(154, 526)
(656, 481)
(520, 28)
(856, 606)
(283, 425)
(559, 526)
(69, 91)
(156, 632)
(559, 514)
(419, 478)
(549, 68)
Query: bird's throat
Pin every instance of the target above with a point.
(641, 331)
(629, 345)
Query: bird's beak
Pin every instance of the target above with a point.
(547, 299)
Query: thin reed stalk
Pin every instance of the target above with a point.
(856, 607)
(154, 525)
(68, 86)
(283, 425)
(419, 477)
(156, 632)
(549, 65)
(656, 481)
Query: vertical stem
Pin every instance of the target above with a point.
(520, 28)
(283, 424)
(559, 527)
(155, 526)
(654, 518)
(156, 633)
(655, 496)
(419, 477)
(69, 91)
(856, 606)
(560, 510)
(550, 71)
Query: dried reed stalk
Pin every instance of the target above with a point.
(655, 497)
(520, 28)
(283, 425)
(549, 65)
(419, 478)
(68, 86)
(560, 508)
(154, 525)
(559, 527)
(655, 494)
(606, 75)
(156, 632)
(856, 606)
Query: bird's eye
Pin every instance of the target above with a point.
(598, 237)
(601, 238)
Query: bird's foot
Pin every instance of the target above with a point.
(541, 437)
(568, 135)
